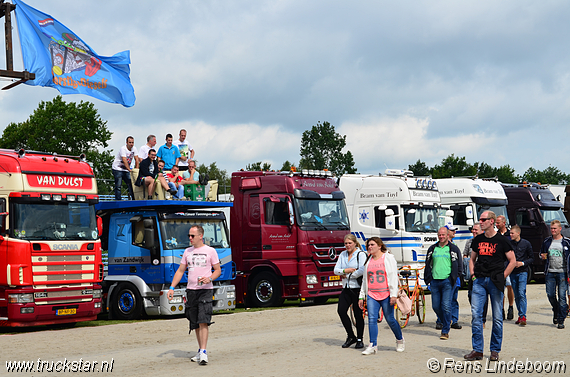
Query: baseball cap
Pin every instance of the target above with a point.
(451, 227)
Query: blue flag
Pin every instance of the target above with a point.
(61, 59)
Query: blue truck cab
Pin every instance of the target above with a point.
(145, 241)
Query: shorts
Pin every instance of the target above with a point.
(199, 307)
(508, 281)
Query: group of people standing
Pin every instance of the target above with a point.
(172, 166)
(493, 259)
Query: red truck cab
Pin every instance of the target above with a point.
(286, 230)
(50, 253)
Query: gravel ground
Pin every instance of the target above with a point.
(296, 341)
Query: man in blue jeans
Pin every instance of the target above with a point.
(441, 272)
(519, 276)
(556, 251)
(489, 252)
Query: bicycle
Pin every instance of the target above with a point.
(364, 314)
(418, 296)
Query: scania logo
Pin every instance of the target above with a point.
(332, 253)
(62, 246)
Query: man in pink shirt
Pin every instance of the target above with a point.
(199, 259)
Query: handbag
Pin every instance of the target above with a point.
(404, 303)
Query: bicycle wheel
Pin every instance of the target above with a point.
(421, 305)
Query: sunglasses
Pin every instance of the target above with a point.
(191, 235)
(484, 219)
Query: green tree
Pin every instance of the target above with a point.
(287, 166)
(321, 148)
(66, 129)
(420, 169)
(257, 166)
(216, 173)
(452, 166)
(550, 175)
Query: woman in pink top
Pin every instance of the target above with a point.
(380, 289)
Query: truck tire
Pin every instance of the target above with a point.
(265, 290)
(126, 302)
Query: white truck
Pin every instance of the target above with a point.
(403, 210)
(469, 197)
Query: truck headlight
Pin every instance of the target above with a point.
(311, 279)
(176, 300)
(97, 293)
(231, 294)
(20, 298)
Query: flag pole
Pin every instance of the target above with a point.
(5, 10)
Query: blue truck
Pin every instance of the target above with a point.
(145, 240)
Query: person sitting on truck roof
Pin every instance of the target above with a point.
(148, 172)
(122, 167)
(192, 177)
(143, 151)
(161, 177)
(525, 257)
(174, 182)
(169, 153)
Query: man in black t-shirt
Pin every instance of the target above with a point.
(489, 252)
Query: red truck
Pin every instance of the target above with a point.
(50, 253)
(286, 231)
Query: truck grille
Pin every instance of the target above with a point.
(76, 293)
(63, 268)
(322, 256)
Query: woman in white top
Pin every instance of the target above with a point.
(350, 265)
(380, 289)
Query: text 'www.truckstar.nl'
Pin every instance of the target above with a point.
(59, 366)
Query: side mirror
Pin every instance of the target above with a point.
(450, 213)
(390, 219)
(291, 214)
(470, 222)
(99, 226)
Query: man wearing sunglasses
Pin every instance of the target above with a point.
(199, 259)
(489, 252)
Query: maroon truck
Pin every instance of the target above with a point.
(286, 231)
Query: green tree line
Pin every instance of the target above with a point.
(455, 166)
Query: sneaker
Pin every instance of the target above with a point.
(444, 336)
(522, 321)
(196, 357)
(518, 321)
(555, 320)
(359, 344)
(456, 326)
(510, 314)
(400, 345)
(560, 325)
(438, 326)
(203, 358)
(370, 350)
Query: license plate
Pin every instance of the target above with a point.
(66, 311)
(334, 277)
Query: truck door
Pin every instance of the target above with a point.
(278, 235)
(146, 249)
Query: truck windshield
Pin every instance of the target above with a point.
(550, 214)
(175, 233)
(321, 212)
(499, 210)
(422, 219)
(54, 221)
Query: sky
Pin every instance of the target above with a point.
(402, 80)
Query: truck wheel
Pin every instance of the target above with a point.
(265, 290)
(126, 302)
